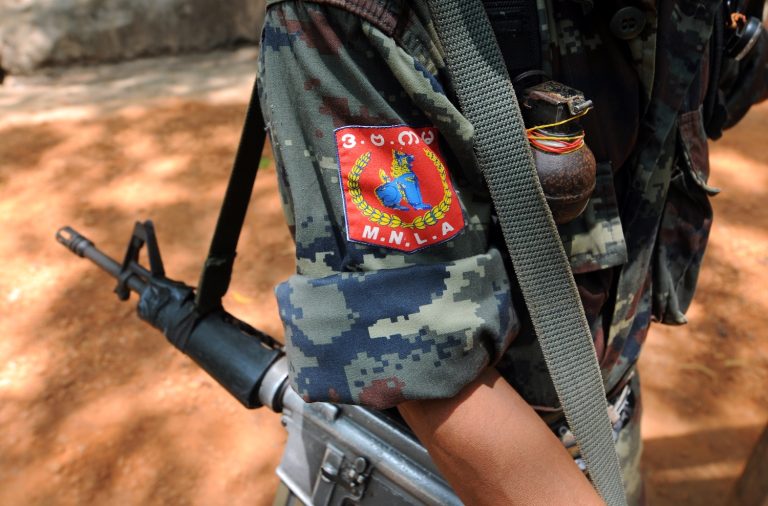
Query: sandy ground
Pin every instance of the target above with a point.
(95, 408)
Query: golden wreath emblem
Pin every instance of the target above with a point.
(383, 218)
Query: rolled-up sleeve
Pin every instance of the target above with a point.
(379, 338)
(366, 324)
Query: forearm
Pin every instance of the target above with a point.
(494, 449)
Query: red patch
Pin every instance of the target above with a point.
(397, 191)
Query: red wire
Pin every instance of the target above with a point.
(563, 148)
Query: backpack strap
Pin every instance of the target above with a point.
(486, 98)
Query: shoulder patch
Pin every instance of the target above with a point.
(397, 191)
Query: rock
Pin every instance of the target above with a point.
(38, 33)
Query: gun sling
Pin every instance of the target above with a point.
(217, 270)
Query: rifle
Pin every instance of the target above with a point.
(335, 454)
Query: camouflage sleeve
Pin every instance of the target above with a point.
(398, 293)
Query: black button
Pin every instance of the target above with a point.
(628, 23)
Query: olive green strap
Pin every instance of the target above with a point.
(487, 100)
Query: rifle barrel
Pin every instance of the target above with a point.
(84, 247)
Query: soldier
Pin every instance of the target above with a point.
(404, 295)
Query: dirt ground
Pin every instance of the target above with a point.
(96, 408)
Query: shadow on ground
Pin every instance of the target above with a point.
(96, 408)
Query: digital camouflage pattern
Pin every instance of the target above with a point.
(366, 324)
(376, 326)
(328, 65)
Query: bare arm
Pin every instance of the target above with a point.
(494, 449)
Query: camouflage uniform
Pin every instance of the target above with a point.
(375, 325)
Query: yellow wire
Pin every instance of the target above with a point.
(562, 122)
